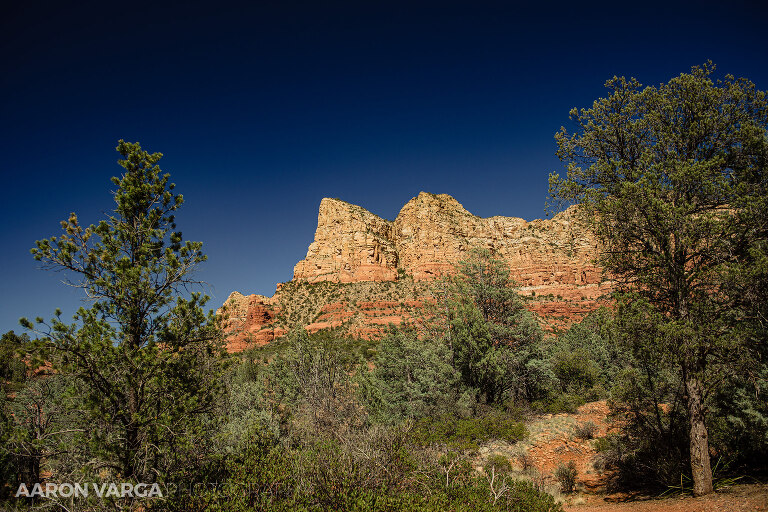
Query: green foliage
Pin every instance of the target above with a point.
(558, 402)
(739, 426)
(48, 420)
(586, 360)
(719, 480)
(672, 180)
(565, 474)
(602, 444)
(311, 382)
(415, 376)
(13, 370)
(589, 354)
(329, 475)
(9, 467)
(499, 463)
(140, 391)
(469, 433)
(652, 451)
(144, 354)
(244, 408)
(648, 396)
(495, 340)
(317, 449)
(575, 371)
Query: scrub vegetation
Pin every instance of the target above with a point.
(137, 389)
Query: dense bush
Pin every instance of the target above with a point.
(557, 403)
(607, 355)
(315, 430)
(575, 370)
(739, 425)
(586, 358)
(496, 342)
(469, 432)
(498, 463)
(415, 377)
(306, 424)
(329, 476)
(652, 451)
(565, 474)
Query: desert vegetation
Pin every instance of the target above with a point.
(440, 412)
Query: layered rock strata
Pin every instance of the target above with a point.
(351, 244)
(249, 320)
(432, 233)
(551, 260)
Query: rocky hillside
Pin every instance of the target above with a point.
(363, 272)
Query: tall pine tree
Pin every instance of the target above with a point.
(673, 180)
(142, 349)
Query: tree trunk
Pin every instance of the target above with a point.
(132, 444)
(700, 468)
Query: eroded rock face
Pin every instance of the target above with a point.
(551, 260)
(248, 321)
(432, 233)
(351, 244)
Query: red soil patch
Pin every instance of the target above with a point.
(553, 442)
(740, 498)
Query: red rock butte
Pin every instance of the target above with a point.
(551, 260)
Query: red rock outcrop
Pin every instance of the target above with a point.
(248, 321)
(551, 260)
(351, 244)
(432, 233)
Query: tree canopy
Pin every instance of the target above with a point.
(673, 181)
(494, 339)
(141, 347)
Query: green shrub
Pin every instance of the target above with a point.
(653, 449)
(565, 402)
(469, 432)
(500, 426)
(499, 463)
(602, 444)
(565, 474)
(328, 477)
(585, 431)
(575, 370)
(414, 376)
(738, 421)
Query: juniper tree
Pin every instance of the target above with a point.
(495, 341)
(143, 346)
(415, 376)
(673, 179)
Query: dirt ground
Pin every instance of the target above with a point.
(553, 440)
(739, 498)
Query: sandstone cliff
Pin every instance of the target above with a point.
(351, 244)
(434, 232)
(362, 272)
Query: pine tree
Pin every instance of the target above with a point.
(142, 350)
(672, 179)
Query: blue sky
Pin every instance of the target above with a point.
(262, 109)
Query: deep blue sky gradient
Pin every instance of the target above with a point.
(262, 109)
